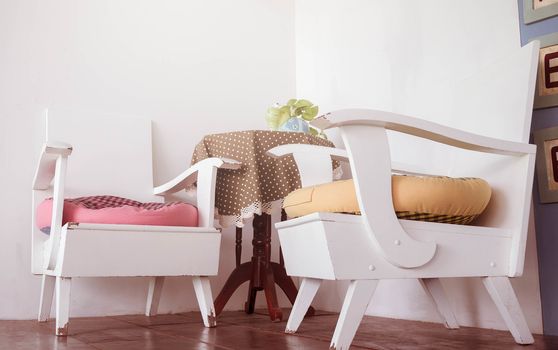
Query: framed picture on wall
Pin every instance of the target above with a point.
(536, 10)
(547, 163)
(546, 91)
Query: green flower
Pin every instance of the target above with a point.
(278, 115)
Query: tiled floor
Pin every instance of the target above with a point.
(237, 330)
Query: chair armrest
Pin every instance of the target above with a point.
(45, 171)
(284, 150)
(190, 175)
(313, 162)
(52, 165)
(422, 128)
(205, 173)
(364, 135)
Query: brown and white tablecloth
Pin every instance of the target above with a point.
(262, 182)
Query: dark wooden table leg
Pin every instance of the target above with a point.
(260, 271)
(239, 275)
(238, 248)
(275, 312)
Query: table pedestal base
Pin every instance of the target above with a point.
(260, 272)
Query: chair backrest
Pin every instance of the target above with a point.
(495, 102)
(112, 154)
(498, 102)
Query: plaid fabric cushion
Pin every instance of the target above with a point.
(429, 217)
(117, 210)
(100, 202)
(446, 219)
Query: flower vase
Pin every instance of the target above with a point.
(295, 125)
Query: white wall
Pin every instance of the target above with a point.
(193, 67)
(401, 56)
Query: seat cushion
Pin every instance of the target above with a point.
(425, 198)
(117, 210)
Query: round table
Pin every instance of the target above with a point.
(255, 191)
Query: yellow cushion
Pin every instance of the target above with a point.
(425, 198)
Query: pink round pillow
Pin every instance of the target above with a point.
(117, 210)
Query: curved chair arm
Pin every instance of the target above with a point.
(52, 165)
(190, 175)
(372, 181)
(313, 162)
(422, 128)
(45, 171)
(314, 165)
(364, 134)
(204, 172)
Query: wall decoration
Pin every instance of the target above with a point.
(536, 10)
(546, 91)
(547, 163)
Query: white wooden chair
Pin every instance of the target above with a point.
(376, 245)
(113, 155)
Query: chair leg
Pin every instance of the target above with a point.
(308, 289)
(501, 292)
(47, 293)
(205, 300)
(356, 301)
(434, 289)
(62, 305)
(154, 295)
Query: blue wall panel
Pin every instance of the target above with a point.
(546, 215)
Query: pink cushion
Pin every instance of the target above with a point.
(117, 210)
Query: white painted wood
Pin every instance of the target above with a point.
(488, 94)
(376, 245)
(190, 175)
(63, 285)
(342, 249)
(57, 207)
(140, 228)
(519, 242)
(356, 301)
(47, 163)
(424, 129)
(287, 149)
(206, 196)
(499, 96)
(435, 291)
(147, 253)
(305, 155)
(413, 169)
(313, 162)
(205, 173)
(47, 293)
(121, 144)
(306, 293)
(375, 199)
(501, 292)
(154, 295)
(116, 151)
(202, 287)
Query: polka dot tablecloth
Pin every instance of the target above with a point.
(262, 182)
